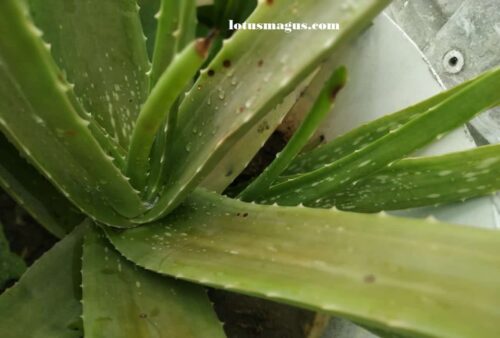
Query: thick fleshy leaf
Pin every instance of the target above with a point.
(147, 12)
(45, 303)
(241, 153)
(159, 108)
(101, 48)
(34, 193)
(396, 274)
(362, 136)
(37, 114)
(252, 74)
(424, 181)
(126, 301)
(451, 113)
(322, 106)
(11, 265)
(175, 30)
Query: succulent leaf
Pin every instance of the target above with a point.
(408, 276)
(241, 153)
(362, 136)
(101, 48)
(271, 66)
(396, 274)
(45, 303)
(417, 182)
(37, 115)
(158, 108)
(175, 30)
(322, 106)
(477, 96)
(35, 194)
(123, 300)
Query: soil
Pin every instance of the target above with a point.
(26, 237)
(249, 317)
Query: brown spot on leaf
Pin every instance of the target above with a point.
(226, 63)
(211, 72)
(143, 315)
(70, 133)
(369, 279)
(203, 45)
(335, 91)
(260, 63)
(269, 2)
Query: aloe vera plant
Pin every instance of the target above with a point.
(122, 147)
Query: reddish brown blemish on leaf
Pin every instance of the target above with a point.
(226, 63)
(202, 46)
(369, 279)
(335, 91)
(242, 109)
(269, 2)
(260, 63)
(211, 72)
(70, 133)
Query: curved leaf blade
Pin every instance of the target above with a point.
(418, 182)
(408, 276)
(451, 113)
(35, 194)
(39, 115)
(45, 303)
(239, 87)
(100, 46)
(122, 300)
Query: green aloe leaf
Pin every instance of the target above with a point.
(122, 300)
(322, 106)
(423, 181)
(34, 193)
(101, 48)
(159, 108)
(147, 12)
(11, 265)
(408, 276)
(36, 114)
(241, 153)
(364, 135)
(250, 76)
(451, 113)
(45, 303)
(175, 30)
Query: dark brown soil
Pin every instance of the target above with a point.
(26, 237)
(249, 317)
